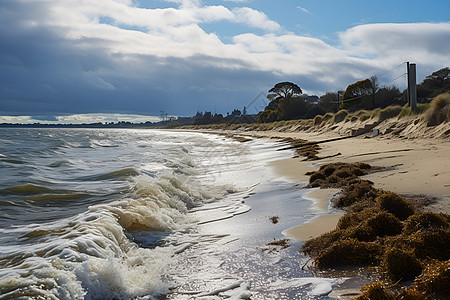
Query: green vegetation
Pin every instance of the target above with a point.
(439, 111)
(361, 101)
(384, 230)
(357, 94)
(434, 84)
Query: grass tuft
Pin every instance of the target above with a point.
(318, 120)
(340, 116)
(389, 112)
(439, 111)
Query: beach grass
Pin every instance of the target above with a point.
(439, 110)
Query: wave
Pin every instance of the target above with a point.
(114, 240)
(102, 143)
(27, 189)
(121, 175)
(93, 255)
(60, 163)
(12, 161)
(40, 196)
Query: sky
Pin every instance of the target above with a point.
(75, 61)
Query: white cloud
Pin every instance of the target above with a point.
(255, 19)
(387, 44)
(80, 119)
(139, 48)
(304, 10)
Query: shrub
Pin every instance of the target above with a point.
(421, 108)
(375, 113)
(439, 110)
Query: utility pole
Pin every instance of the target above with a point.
(407, 89)
(412, 87)
(338, 104)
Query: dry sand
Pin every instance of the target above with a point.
(419, 155)
(421, 166)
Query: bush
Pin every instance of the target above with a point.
(439, 111)
(421, 108)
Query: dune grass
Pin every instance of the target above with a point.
(439, 110)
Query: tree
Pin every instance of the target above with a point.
(435, 84)
(284, 90)
(374, 88)
(236, 113)
(330, 101)
(356, 94)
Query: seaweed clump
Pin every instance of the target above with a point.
(303, 148)
(384, 230)
(340, 174)
(400, 264)
(375, 291)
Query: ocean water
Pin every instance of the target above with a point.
(147, 214)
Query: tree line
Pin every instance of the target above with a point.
(287, 101)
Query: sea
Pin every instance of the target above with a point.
(149, 214)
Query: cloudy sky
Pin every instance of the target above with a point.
(91, 60)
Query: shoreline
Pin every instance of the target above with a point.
(415, 168)
(420, 166)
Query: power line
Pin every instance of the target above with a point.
(384, 85)
(379, 75)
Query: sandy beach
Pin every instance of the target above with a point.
(418, 166)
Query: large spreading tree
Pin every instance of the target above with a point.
(284, 90)
(285, 103)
